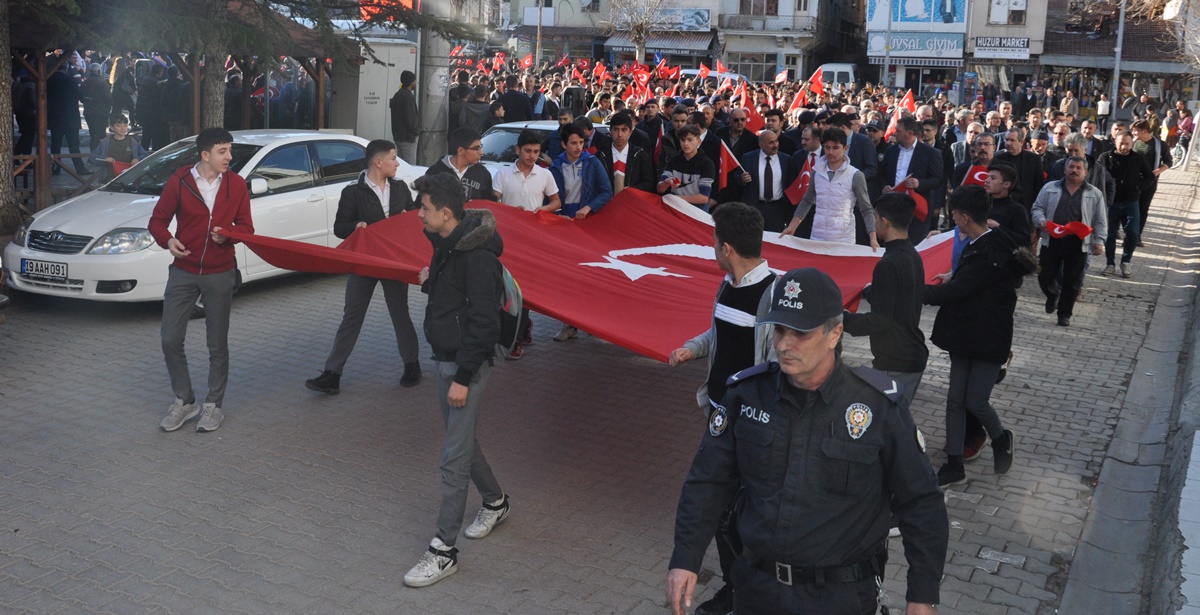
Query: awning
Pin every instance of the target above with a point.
(678, 43)
(932, 62)
(1106, 62)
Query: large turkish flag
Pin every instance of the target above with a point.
(640, 273)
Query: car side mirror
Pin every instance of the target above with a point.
(258, 186)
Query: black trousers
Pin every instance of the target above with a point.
(776, 214)
(1062, 259)
(71, 136)
(1144, 205)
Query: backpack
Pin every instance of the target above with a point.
(511, 305)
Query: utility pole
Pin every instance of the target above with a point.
(1116, 84)
(537, 55)
(887, 46)
(433, 84)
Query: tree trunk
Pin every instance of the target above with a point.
(212, 86)
(10, 216)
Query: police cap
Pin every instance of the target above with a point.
(803, 299)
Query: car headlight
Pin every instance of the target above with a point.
(123, 241)
(22, 234)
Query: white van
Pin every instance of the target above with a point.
(836, 74)
(692, 73)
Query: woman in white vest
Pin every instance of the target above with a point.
(835, 190)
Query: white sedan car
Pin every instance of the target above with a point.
(96, 246)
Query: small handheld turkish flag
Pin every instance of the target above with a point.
(527, 61)
(729, 162)
(816, 83)
(703, 72)
(721, 67)
(781, 78)
(796, 191)
(976, 176)
(498, 61)
(1076, 228)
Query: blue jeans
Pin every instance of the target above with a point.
(1127, 215)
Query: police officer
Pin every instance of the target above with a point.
(826, 454)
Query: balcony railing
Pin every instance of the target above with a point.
(769, 23)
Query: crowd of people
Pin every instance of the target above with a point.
(154, 98)
(1037, 192)
(807, 464)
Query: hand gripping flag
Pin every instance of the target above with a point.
(641, 255)
(922, 210)
(1076, 228)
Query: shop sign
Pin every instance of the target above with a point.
(1009, 47)
(916, 44)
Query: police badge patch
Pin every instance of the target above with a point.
(718, 422)
(858, 419)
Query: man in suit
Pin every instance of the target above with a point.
(1095, 144)
(627, 165)
(735, 134)
(917, 166)
(764, 177)
(593, 140)
(373, 198)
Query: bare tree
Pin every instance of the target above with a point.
(639, 18)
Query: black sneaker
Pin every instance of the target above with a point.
(720, 604)
(1064, 321)
(412, 375)
(328, 383)
(1051, 303)
(1003, 449)
(951, 473)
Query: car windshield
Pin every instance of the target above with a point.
(500, 144)
(152, 174)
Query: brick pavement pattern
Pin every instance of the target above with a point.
(303, 503)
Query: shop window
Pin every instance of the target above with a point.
(755, 66)
(760, 7)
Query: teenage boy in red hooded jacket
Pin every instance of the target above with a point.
(203, 199)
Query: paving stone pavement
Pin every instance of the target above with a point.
(303, 503)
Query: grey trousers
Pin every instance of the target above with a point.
(971, 382)
(911, 381)
(359, 291)
(407, 152)
(216, 291)
(462, 458)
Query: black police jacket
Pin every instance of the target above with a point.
(823, 472)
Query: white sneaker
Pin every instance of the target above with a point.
(178, 414)
(436, 564)
(1109, 270)
(487, 519)
(210, 418)
(566, 333)
(1126, 271)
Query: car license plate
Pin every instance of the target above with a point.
(43, 270)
